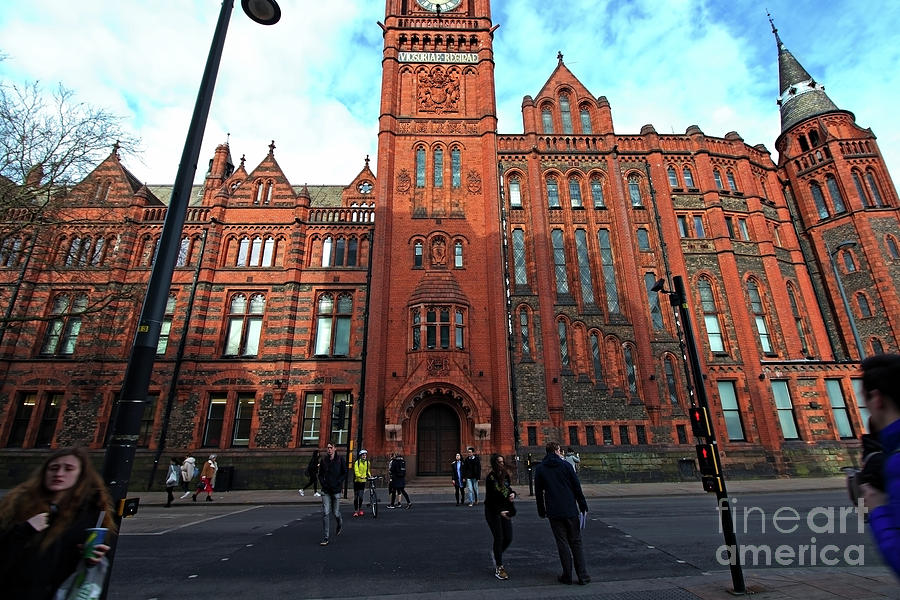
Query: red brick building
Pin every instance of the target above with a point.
(484, 289)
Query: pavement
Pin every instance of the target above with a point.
(812, 583)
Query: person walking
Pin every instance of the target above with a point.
(398, 477)
(881, 390)
(560, 499)
(361, 474)
(43, 522)
(173, 475)
(572, 458)
(207, 478)
(472, 473)
(390, 486)
(312, 474)
(332, 474)
(459, 482)
(499, 510)
(188, 470)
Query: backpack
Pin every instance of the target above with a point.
(400, 467)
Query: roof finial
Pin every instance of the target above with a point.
(774, 29)
(367, 161)
(272, 148)
(559, 57)
(116, 147)
(243, 158)
(227, 139)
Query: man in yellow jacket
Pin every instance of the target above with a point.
(360, 473)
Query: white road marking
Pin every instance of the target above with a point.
(192, 523)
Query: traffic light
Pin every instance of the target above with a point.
(712, 484)
(707, 459)
(339, 415)
(700, 424)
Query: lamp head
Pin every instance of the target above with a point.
(264, 12)
(659, 286)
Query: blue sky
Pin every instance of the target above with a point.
(312, 82)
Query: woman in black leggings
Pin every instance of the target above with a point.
(499, 510)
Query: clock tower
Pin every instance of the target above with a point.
(437, 369)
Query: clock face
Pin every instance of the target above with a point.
(365, 187)
(438, 5)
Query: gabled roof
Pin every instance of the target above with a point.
(563, 76)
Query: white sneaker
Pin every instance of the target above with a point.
(317, 494)
(185, 495)
(301, 492)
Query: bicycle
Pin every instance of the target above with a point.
(373, 495)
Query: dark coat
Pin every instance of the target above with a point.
(332, 474)
(497, 492)
(455, 475)
(398, 473)
(29, 573)
(471, 468)
(557, 489)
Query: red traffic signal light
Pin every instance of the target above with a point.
(707, 459)
(700, 424)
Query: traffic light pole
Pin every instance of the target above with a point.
(678, 298)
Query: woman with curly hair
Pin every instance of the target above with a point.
(499, 511)
(43, 523)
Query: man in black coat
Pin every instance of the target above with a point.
(332, 474)
(560, 499)
(471, 471)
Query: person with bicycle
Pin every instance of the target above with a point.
(361, 476)
(332, 474)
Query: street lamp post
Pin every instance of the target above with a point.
(837, 276)
(119, 459)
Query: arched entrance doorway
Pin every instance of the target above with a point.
(437, 434)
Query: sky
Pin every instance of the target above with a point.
(312, 82)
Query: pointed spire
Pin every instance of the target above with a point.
(800, 96)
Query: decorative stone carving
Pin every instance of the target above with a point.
(483, 431)
(404, 181)
(438, 90)
(473, 181)
(393, 433)
(438, 252)
(437, 366)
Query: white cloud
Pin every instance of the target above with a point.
(312, 81)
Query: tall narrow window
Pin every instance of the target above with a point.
(547, 120)
(333, 325)
(416, 329)
(860, 191)
(244, 325)
(515, 193)
(710, 316)
(584, 268)
(420, 167)
(524, 334)
(21, 420)
(255, 252)
(798, 319)
(183, 252)
(837, 200)
(215, 418)
(729, 224)
(352, 248)
(74, 252)
(643, 240)
(559, 262)
(460, 331)
(729, 175)
(892, 246)
(455, 168)
(565, 112)
(268, 256)
(759, 316)
(630, 370)
(595, 359)
(865, 310)
(873, 187)
(327, 246)
(673, 178)
(458, 255)
(552, 193)
(742, 228)
(438, 168)
(417, 255)
(877, 346)
(340, 418)
(671, 383)
(445, 328)
(849, 263)
(838, 408)
(145, 433)
(166, 325)
(688, 177)
(624, 438)
(243, 417)
(562, 330)
(785, 406)
(819, 200)
(430, 328)
(586, 128)
(634, 190)
(681, 221)
(861, 404)
(65, 325)
(698, 226)
(609, 271)
(731, 410)
(597, 193)
(574, 192)
(717, 176)
(653, 299)
(47, 429)
(340, 247)
(312, 419)
(520, 272)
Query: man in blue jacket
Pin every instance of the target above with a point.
(560, 499)
(881, 386)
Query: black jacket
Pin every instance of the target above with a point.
(557, 489)
(398, 472)
(332, 474)
(471, 467)
(497, 492)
